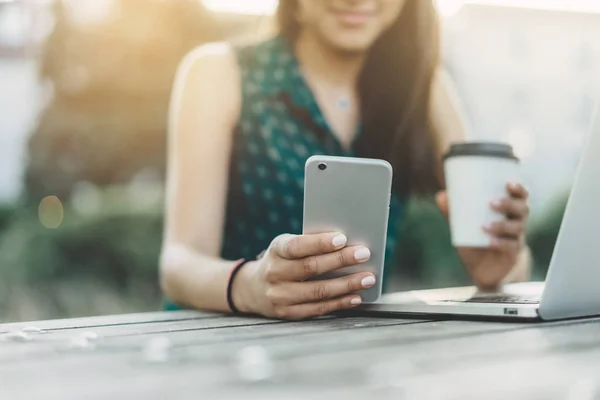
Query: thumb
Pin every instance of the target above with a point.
(441, 199)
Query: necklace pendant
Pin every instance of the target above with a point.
(343, 103)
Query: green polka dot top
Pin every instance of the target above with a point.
(280, 127)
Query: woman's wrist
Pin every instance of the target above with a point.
(241, 288)
(521, 272)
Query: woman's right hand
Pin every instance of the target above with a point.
(277, 285)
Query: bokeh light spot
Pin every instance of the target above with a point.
(51, 212)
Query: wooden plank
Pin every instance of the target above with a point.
(448, 353)
(311, 337)
(365, 343)
(47, 344)
(551, 380)
(108, 320)
(320, 336)
(112, 362)
(205, 321)
(181, 333)
(323, 356)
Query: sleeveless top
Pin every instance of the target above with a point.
(280, 127)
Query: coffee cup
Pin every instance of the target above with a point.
(476, 174)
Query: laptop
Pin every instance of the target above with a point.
(572, 285)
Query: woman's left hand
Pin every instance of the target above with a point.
(488, 267)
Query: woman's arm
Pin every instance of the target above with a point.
(205, 110)
(205, 107)
(448, 121)
(445, 113)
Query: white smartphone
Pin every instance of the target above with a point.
(351, 196)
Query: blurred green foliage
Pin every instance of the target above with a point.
(426, 256)
(50, 273)
(119, 248)
(543, 232)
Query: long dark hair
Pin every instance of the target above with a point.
(394, 89)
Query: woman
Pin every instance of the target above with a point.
(343, 77)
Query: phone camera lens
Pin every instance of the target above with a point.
(322, 166)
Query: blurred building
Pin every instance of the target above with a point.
(23, 26)
(530, 77)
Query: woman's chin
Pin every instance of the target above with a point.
(351, 43)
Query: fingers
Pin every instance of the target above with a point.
(292, 260)
(507, 233)
(506, 245)
(516, 190)
(308, 292)
(293, 247)
(298, 300)
(313, 266)
(511, 229)
(514, 208)
(310, 310)
(442, 202)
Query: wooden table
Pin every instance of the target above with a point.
(191, 355)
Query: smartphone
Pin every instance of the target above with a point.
(351, 196)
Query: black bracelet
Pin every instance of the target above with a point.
(232, 275)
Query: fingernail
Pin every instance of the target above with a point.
(356, 301)
(362, 254)
(488, 227)
(496, 203)
(514, 185)
(339, 240)
(368, 281)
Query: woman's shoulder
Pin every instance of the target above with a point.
(210, 56)
(234, 56)
(210, 72)
(211, 66)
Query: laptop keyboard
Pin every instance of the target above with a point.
(507, 299)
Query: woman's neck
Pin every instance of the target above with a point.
(322, 61)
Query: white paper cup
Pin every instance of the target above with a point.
(476, 174)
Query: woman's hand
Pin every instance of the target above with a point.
(276, 285)
(490, 266)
